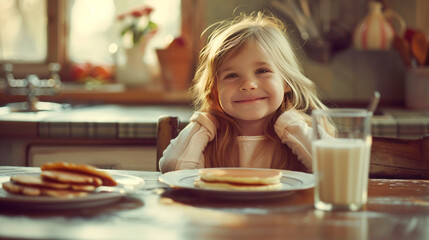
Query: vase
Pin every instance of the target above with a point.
(131, 70)
(175, 68)
(374, 31)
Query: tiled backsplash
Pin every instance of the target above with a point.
(401, 123)
(392, 123)
(354, 75)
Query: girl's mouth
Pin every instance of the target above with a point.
(249, 100)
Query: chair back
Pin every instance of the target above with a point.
(168, 129)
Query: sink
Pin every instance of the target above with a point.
(36, 107)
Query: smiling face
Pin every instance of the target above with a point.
(250, 87)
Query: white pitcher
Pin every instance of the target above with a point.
(375, 31)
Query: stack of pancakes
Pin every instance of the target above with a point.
(239, 179)
(59, 179)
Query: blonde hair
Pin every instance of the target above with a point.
(228, 38)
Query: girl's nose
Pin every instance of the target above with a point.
(248, 83)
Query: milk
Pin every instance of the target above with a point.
(341, 167)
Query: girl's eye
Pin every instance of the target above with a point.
(259, 71)
(231, 75)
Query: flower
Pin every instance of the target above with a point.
(137, 25)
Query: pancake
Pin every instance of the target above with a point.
(15, 188)
(81, 168)
(63, 193)
(236, 187)
(82, 188)
(37, 181)
(241, 175)
(239, 179)
(71, 177)
(59, 179)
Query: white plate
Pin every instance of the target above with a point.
(125, 182)
(291, 181)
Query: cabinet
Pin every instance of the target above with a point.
(127, 154)
(103, 156)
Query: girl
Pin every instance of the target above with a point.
(252, 100)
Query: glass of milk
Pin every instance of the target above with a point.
(341, 152)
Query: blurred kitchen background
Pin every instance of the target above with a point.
(92, 76)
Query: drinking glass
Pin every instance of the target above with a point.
(341, 152)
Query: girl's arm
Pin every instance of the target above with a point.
(294, 131)
(186, 150)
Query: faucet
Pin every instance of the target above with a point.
(31, 86)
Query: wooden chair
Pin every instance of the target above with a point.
(168, 128)
(390, 157)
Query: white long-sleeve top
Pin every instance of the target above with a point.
(186, 150)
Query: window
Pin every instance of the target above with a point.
(23, 31)
(94, 23)
(31, 41)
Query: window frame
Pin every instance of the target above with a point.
(55, 43)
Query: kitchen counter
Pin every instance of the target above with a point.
(97, 121)
(128, 122)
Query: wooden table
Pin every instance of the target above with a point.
(396, 209)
